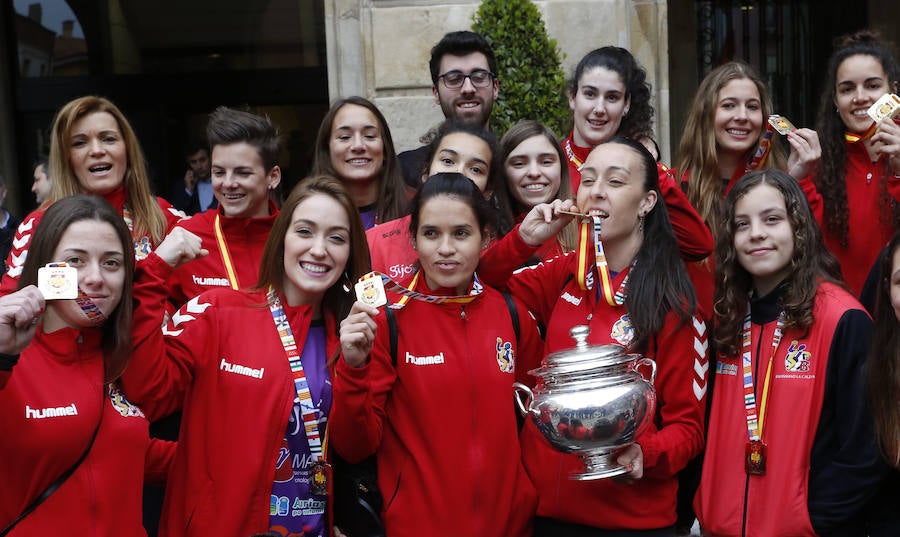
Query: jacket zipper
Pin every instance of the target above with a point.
(747, 479)
(474, 445)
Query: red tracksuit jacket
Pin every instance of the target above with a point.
(245, 239)
(674, 437)
(442, 421)
(871, 222)
(49, 407)
(232, 424)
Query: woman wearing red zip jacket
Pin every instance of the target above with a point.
(609, 96)
(93, 150)
(724, 129)
(239, 363)
(244, 173)
(437, 412)
(857, 182)
(790, 444)
(636, 294)
(59, 389)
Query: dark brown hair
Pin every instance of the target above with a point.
(271, 270)
(391, 201)
(810, 265)
(831, 171)
(116, 330)
(883, 368)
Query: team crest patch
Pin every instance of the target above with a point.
(798, 358)
(122, 405)
(505, 358)
(622, 331)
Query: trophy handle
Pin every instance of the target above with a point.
(652, 364)
(524, 407)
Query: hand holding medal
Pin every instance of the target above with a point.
(886, 138)
(545, 220)
(358, 329)
(59, 281)
(19, 313)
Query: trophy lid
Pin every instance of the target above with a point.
(584, 356)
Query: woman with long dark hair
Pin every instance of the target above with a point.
(355, 145)
(637, 294)
(858, 178)
(790, 448)
(251, 371)
(74, 448)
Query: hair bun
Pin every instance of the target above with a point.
(862, 37)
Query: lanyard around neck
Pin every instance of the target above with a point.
(408, 293)
(226, 258)
(301, 385)
(756, 421)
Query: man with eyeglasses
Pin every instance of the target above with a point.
(465, 85)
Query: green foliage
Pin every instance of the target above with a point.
(532, 83)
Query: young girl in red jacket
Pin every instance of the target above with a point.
(858, 179)
(251, 371)
(93, 150)
(638, 295)
(790, 447)
(436, 408)
(61, 411)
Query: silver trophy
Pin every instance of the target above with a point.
(592, 401)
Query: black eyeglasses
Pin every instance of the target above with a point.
(479, 77)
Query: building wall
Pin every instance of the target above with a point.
(380, 48)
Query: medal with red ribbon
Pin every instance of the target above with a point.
(758, 160)
(756, 450)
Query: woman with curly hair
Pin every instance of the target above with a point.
(858, 178)
(790, 447)
(355, 145)
(609, 96)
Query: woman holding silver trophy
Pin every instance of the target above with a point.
(628, 284)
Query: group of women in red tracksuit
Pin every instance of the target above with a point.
(278, 369)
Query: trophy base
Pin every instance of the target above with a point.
(599, 464)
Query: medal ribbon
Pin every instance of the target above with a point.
(853, 137)
(755, 422)
(759, 158)
(570, 154)
(584, 265)
(91, 311)
(307, 408)
(391, 285)
(226, 258)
